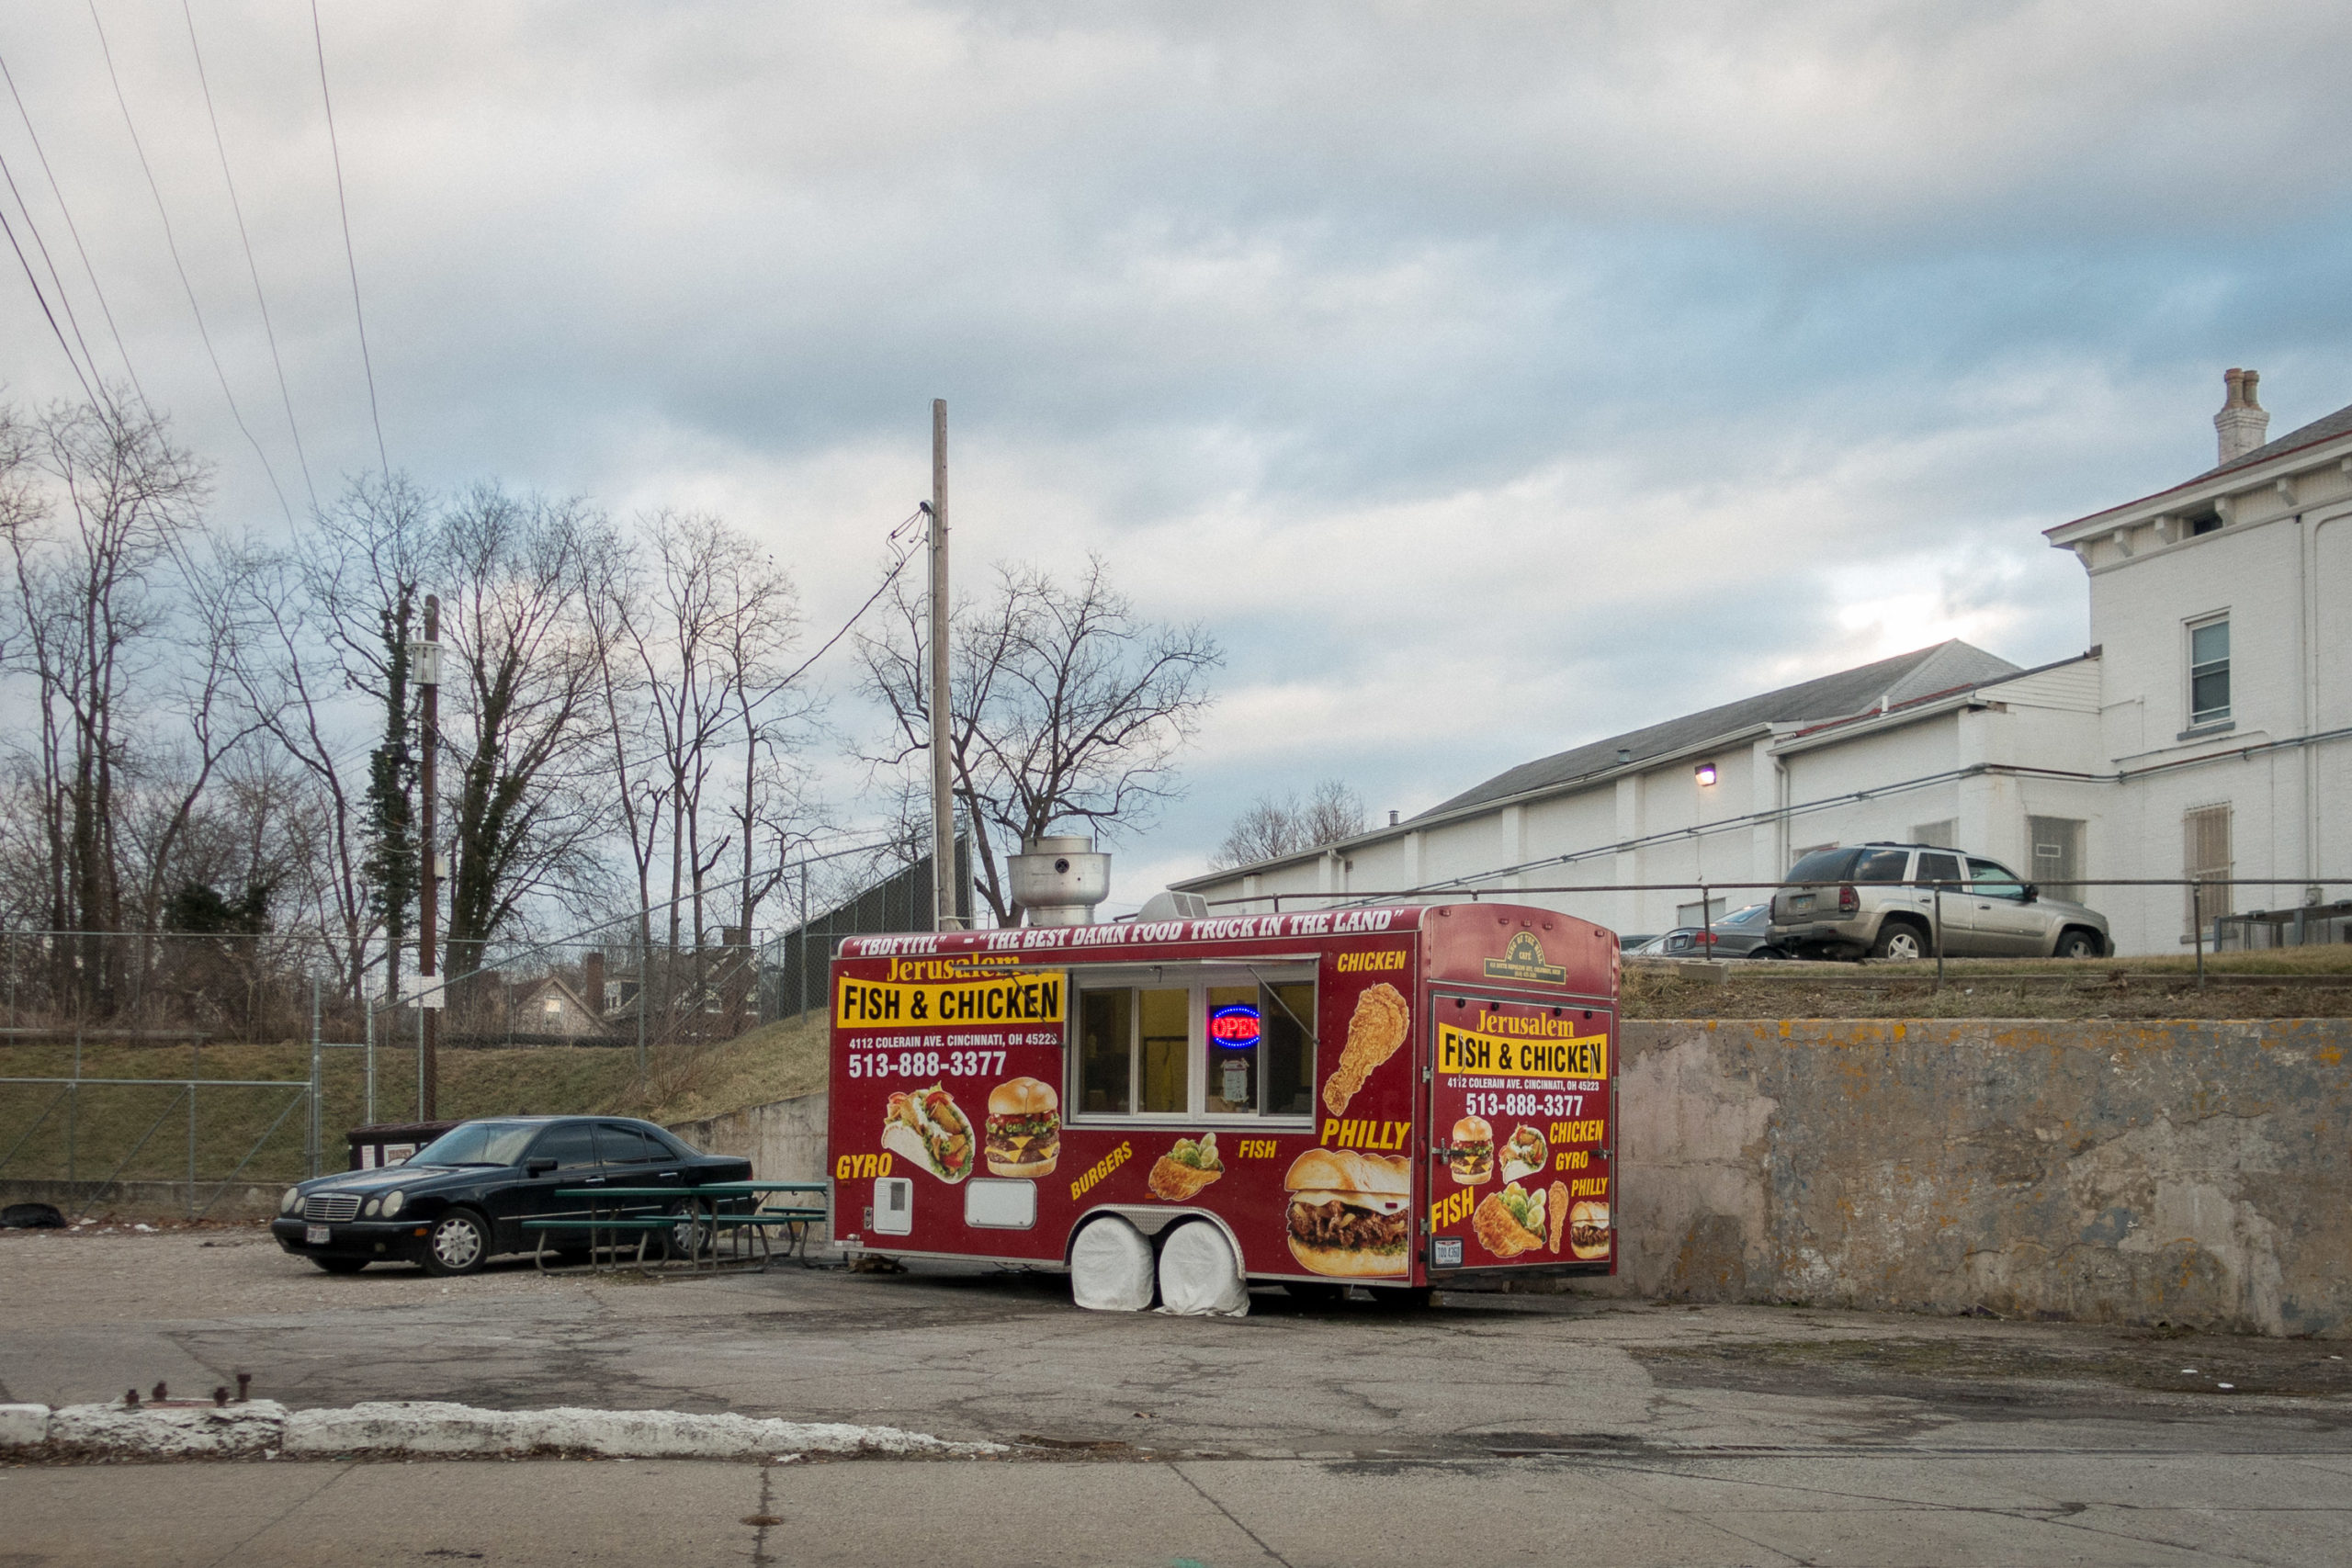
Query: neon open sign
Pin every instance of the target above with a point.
(1235, 1026)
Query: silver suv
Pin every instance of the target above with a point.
(1881, 899)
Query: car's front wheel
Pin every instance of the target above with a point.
(460, 1243)
(2078, 943)
(1899, 942)
(341, 1265)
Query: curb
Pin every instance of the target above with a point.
(265, 1429)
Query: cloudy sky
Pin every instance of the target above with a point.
(1490, 377)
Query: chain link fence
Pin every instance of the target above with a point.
(794, 965)
(213, 1064)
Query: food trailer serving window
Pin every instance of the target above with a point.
(1207, 1041)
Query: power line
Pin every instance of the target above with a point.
(64, 301)
(58, 192)
(34, 279)
(888, 578)
(351, 261)
(253, 268)
(172, 243)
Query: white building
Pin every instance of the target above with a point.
(2203, 734)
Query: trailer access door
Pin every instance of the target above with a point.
(1523, 1122)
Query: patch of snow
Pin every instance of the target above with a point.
(23, 1426)
(432, 1426)
(170, 1431)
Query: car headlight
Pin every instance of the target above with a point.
(370, 1208)
(392, 1201)
(293, 1196)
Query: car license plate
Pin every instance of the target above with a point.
(315, 1235)
(1801, 901)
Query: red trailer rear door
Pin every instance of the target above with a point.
(1521, 1113)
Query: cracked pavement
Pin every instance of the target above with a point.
(1486, 1428)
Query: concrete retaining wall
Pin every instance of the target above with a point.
(785, 1139)
(150, 1200)
(2196, 1172)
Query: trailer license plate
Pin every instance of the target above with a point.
(1446, 1252)
(314, 1235)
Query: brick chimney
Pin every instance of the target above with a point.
(2242, 423)
(592, 980)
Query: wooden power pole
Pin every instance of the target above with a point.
(428, 678)
(943, 902)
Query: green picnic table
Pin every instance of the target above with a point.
(712, 1209)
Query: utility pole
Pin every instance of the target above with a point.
(943, 901)
(428, 678)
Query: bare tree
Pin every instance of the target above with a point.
(1064, 707)
(330, 619)
(518, 686)
(1271, 826)
(200, 683)
(98, 504)
(612, 599)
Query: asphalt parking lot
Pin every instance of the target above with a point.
(1485, 1429)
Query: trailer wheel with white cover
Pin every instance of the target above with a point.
(1111, 1267)
(1198, 1274)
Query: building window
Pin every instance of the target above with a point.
(2205, 857)
(2209, 672)
(1211, 1043)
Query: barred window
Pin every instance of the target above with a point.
(2205, 858)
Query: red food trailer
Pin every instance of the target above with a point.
(1393, 1097)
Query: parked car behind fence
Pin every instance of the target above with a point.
(1883, 900)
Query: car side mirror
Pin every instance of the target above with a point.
(2031, 893)
(540, 1167)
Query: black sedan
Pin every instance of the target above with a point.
(463, 1198)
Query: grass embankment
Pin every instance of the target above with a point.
(2302, 982)
(145, 1130)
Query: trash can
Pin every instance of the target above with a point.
(391, 1142)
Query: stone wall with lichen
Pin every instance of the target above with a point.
(2190, 1172)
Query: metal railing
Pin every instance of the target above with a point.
(1465, 892)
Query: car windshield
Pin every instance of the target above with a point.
(1754, 915)
(478, 1143)
(1824, 865)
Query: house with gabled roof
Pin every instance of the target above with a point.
(2203, 734)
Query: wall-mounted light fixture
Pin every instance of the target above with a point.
(1706, 771)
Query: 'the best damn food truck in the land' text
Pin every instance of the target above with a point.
(1393, 1097)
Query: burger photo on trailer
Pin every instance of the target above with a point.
(1589, 1231)
(1348, 1212)
(1471, 1155)
(1024, 1128)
